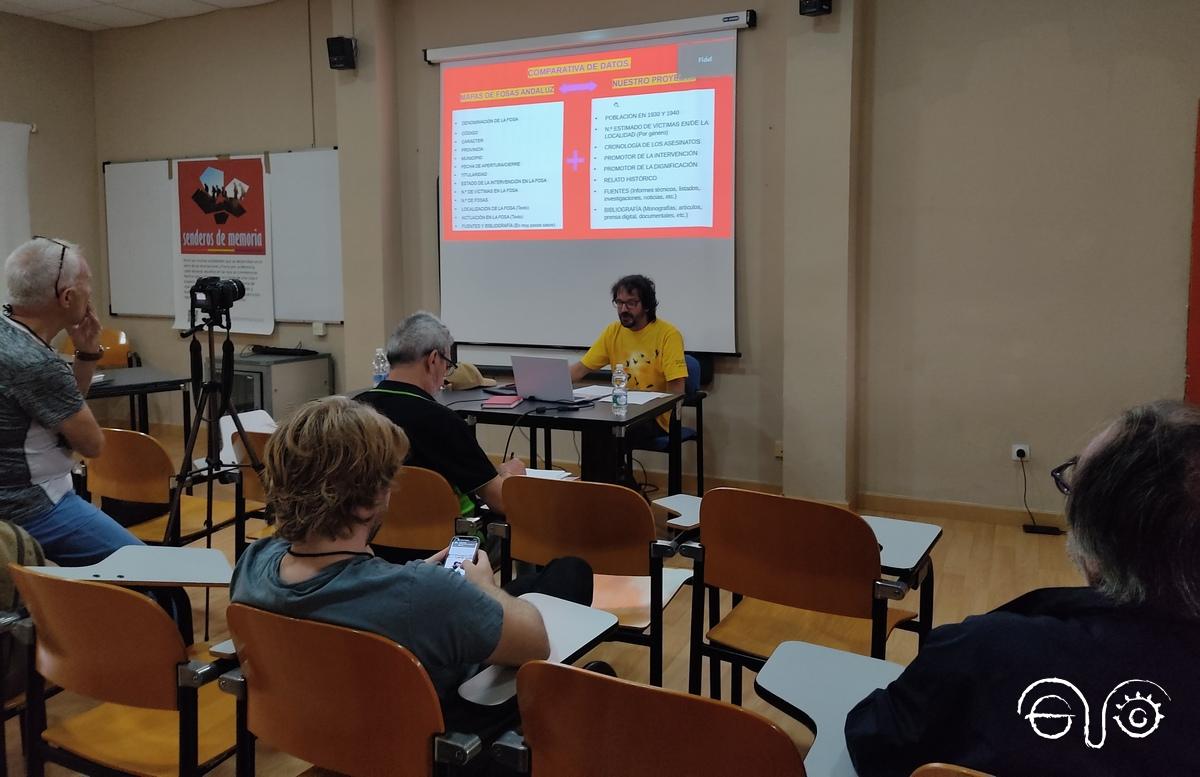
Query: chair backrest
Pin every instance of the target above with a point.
(115, 345)
(790, 551)
(342, 699)
(252, 485)
(421, 513)
(692, 384)
(946, 770)
(610, 527)
(565, 711)
(133, 466)
(103, 641)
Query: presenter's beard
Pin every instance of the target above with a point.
(626, 320)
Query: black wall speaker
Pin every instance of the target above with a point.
(816, 7)
(342, 53)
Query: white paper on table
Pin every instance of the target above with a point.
(593, 392)
(642, 397)
(548, 474)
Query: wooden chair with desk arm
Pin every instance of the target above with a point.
(610, 527)
(134, 467)
(798, 570)
(350, 701)
(589, 725)
(161, 712)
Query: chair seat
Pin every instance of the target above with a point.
(143, 741)
(192, 511)
(628, 597)
(756, 627)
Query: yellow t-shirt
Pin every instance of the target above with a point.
(652, 357)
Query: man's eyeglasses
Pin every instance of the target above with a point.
(451, 365)
(628, 304)
(62, 255)
(1058, 474)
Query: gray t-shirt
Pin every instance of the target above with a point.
(37, 393)
(448, 623)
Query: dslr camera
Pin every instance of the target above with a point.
(214, 296)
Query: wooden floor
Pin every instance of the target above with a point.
(977, 567)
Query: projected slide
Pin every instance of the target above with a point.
(623, 143)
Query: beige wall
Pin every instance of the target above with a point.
(46, 79)
(225, 82)
(959, 225)
(1027, 212)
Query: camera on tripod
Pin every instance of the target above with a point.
(214, 296)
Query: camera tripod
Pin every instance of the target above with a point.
(212, 402)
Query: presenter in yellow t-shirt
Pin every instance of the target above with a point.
(650, 348)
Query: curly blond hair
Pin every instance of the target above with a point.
(332, 456)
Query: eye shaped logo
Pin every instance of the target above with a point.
(1136, 708)
(1050, 716)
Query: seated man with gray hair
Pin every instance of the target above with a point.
(419, 354)
(43, 417)
(1065, 681)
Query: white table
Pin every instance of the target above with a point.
(817, 686)
(905, 543)
(573, 630)
(904, 548)
(684, 507)
(153, 565)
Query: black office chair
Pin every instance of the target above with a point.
(694, 398)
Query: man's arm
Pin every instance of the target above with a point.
(896, 729)
(492, 492)
(596, 357)
(676, 386)
(83, 433)
(578, 372)
(522, 632)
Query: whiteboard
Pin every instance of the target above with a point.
(138, 197)
(306, 232)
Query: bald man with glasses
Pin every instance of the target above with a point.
(43, 416)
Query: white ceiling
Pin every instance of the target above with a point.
(105, 14)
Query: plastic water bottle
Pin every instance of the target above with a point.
(620, 394)
(379, 366)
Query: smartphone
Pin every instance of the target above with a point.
(462, 551)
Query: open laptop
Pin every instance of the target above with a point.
(545, 379)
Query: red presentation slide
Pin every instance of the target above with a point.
(625, 143)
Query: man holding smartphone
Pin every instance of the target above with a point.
(328, 471)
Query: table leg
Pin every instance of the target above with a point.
(547, 459)
(598, 454)
(144, 413)
(675, 455)
(926, 608)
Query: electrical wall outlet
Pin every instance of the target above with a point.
(1020, 451)
(779, 449)
(318, 328)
